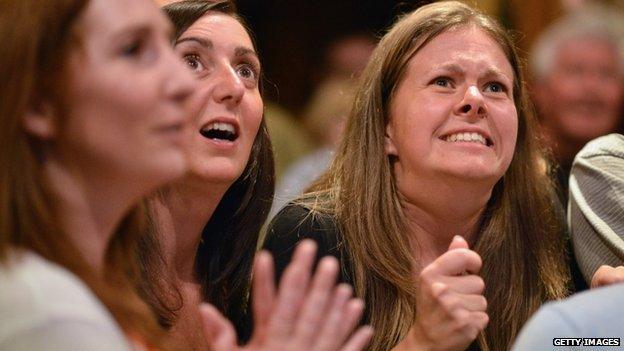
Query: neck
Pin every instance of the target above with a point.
(433, 218)
(90, 208)
(182, 214)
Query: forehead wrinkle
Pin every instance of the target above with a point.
(206, 43)
(491, 71)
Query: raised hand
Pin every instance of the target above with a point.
(451, 308)
(607, 275)
(307, 313)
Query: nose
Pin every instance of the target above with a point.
(228, 86)
(472, 104)
(180, 82)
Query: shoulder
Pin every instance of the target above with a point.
(590, 314)
(601, 158)
(611, 145)
(296, 222)
(596, 204)
(40, 299)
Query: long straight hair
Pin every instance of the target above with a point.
(520, 236)
(230, 238)
(37, 37)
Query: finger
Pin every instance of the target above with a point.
(292, 289)
(619, 271)
(464, 284)
(352, 312)
(314, 307)
(263, 291)
(605, 275)
(454, 262)
(472, 303)
(217, 329)
(334, 317)
(458, 242)
(359, 340)
(480, 320)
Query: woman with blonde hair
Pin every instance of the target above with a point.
(93, 108)
(440, 154)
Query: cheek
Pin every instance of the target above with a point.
(614, 95)
(253, 116)
(506, 124)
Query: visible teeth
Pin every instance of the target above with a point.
(223, 126)
(468, 137)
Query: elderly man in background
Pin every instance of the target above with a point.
(578, 82)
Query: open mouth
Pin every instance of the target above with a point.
(219, 131)
(468, 138)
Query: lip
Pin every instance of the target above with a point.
(222, 119)
(486, 135)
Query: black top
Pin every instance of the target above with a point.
(295, 223)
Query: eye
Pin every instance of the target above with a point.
(193, 62)
(141, 49)
(133, 48)
(444, 82)
(248, 72)
(495, 87)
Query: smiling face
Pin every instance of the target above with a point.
(581, 98)
(453, 115)
(220, 52)
(126, 97)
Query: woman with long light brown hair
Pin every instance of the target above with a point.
(93, 108)
(440, 154)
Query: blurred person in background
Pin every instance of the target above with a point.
(596, 210)
(578, 82)
(578, 89)
(597, 229)
(325, 114)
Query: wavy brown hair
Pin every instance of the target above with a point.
(229, 240)
(520, 236)
(38, 35)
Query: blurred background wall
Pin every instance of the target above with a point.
(293, 34)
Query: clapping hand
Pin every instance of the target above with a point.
(306, 313)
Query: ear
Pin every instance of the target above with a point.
(40, 120)
(389, 146)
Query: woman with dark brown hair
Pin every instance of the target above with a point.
(93, 109)
(208, 222)
(440, 154)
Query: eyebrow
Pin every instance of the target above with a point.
(491, 71)
(203, 42)
(242, 51)
(207, 43)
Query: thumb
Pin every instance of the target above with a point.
(217, 329)
(458, 242)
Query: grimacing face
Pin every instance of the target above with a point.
(127, 96)
(453, 114)
(219, 51)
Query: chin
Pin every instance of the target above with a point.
(167, 169)
(218, 172)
